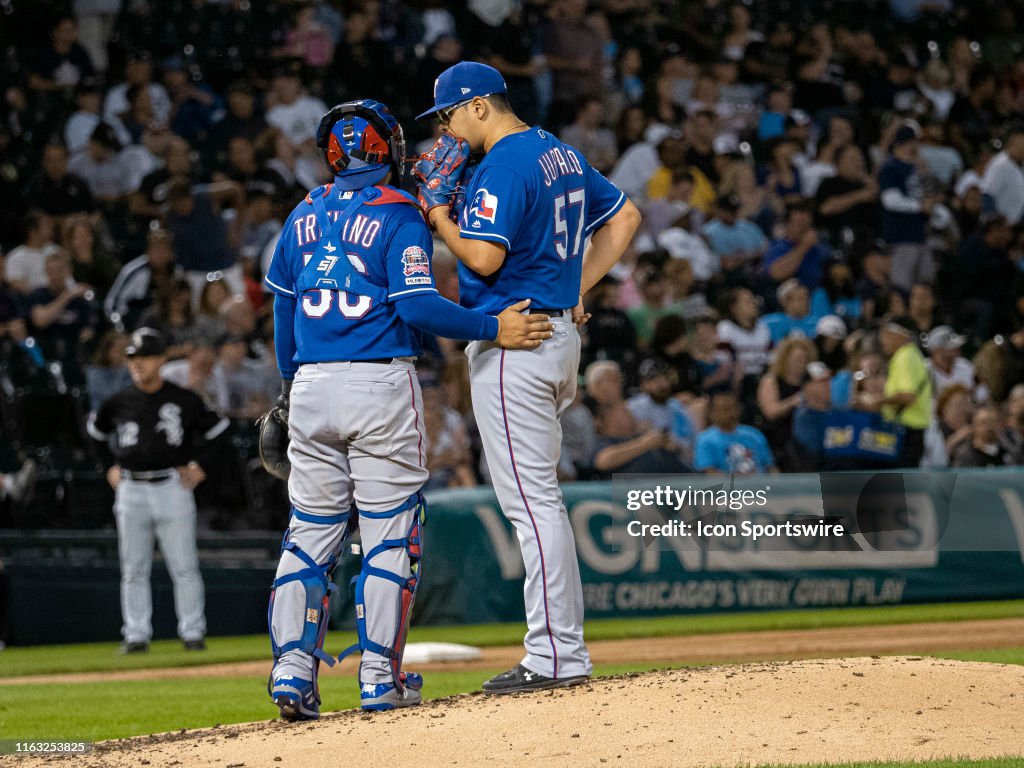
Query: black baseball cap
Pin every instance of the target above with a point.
(146, 342)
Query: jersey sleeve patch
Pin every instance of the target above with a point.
(416, 266)
(484, 206)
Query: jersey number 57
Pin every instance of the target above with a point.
(569, 218)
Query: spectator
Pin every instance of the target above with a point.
(62, 317)
(199, 372)
(141, 281)
(701, 130)
(682, 299)
(737, 243)
(985, 448)
(716, 366)
(195, 107)
(730, 447)
(213, 297)
(56, 191)
(654, 290)
(829, 335)
(138, 71)
(807, 451)
(942, 161)
(795, 317)
(1013, 435)
(65, 63)
(249, 390)
(922, 307)
(296, 115)
(172, 315)
(25, 268)
(308, 39)
(204, 241)
(579, 438)
(590, 136)
(847, 203)
(747, 335)
(446, 444)
(108, 372)
(83, 121)
(241, 121)
(609, 334)
(935, 84)
(908, 396)
(670, 344)
(970, 117)
(90, 264)
(837, 295)
(623, 444)
(778, 395)
(139, 114)
(1002, 186)
(666, 212)
(110, 173)
(573, 52)
(641, 161)
(655, 407)
(947, 367)
(905, 211)
(262, 229)
(799, 254)
(873, 285)
(150, 199)
(756, 204)
(984, 275)
(781, 177)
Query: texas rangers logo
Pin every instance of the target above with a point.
(485, 205)
(415, 261)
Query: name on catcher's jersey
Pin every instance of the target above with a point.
(541, 200)
(388, 242)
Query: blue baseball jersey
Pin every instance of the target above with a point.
(540, 199)
(743, 451)
(385, 239)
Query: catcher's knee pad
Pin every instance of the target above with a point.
(315, 579)
(412, 544)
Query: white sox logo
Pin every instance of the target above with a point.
(170, 424)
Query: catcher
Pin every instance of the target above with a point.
(353, 286)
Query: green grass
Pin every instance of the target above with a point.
(31, 712)
(992, 656)
(168, 653)
(70, 711)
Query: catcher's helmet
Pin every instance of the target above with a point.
(358, 136)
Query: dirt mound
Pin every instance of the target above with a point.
(789, 712)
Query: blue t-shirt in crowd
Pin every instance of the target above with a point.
(848, 309)
(781, 325)
(743, 451)
(726, 240)
(809, 271)
(901, 227)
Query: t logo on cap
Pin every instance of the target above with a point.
(465, 80)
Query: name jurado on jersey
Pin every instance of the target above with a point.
(358, 230)
(555, 163)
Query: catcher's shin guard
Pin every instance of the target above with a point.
(412, 543)
(315, 579)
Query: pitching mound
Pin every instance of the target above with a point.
(788, 712)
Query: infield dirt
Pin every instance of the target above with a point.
(832, 710)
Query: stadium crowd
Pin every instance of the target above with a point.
(829, 274)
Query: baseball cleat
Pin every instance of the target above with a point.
(519, 679)
(296, 698)
(195, 645)
(385, 696)
(127, 648)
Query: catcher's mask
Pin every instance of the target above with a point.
(359, 135)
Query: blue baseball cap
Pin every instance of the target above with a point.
(462, 82)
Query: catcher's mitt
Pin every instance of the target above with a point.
(440, 171)
(273, 442)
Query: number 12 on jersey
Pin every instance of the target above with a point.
(567, 206)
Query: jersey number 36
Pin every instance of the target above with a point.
(317, 303)
(566, 207)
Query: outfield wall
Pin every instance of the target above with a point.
(907, 538)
